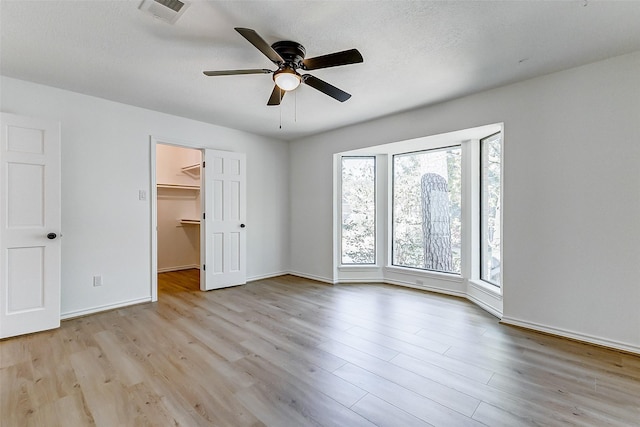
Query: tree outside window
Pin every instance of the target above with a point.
(427, 211)
(358, 210)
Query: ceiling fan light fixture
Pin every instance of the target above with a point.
(287, 79)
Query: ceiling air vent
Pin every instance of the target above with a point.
(166, 10)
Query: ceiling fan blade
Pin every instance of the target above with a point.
(346, 57)
(276, 96)
(236, 72)
(264, 47)
(325, 88)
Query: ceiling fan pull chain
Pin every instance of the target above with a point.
(280, 109)
(295, 107)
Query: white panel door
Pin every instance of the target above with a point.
(29, 225)
(224, 220)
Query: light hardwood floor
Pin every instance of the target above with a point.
(293, 352)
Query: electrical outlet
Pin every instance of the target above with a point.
(97, 280)
(142, 195)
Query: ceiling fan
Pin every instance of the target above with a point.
(289, 57)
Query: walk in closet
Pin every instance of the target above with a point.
(179, 207)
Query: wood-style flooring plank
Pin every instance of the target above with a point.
(304, 370)
(384, 414)
(494, 416)
(421, 407)
(407, 379)
(309, 403)
(399, 342)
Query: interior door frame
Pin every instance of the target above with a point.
(153, 142)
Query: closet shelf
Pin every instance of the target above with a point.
(193, 171)
(190, 221)
(180, 187)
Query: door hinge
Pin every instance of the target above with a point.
(204, 267)
(204, 164)
(204, 215)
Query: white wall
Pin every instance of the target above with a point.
(171, 159)
(106, 161)
(571, 202)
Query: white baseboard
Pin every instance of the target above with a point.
(312, 277)
(483, 305)
(266, 276)
(425, 288)
(385, 281)
(370, 280)
(179, 268)
(93, 310)
(603, 342)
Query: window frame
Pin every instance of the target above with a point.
(375, 212)
(482, 227)
(392, 224)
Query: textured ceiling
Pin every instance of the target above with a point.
(416, 53)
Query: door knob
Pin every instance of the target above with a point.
(51, 236)
(242, 226)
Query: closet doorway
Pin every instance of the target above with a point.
(179, 212)
(198, 214)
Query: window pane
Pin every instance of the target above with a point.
(358, 210)
(490, 189)
(426, 210)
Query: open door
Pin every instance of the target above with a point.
(29, 225)
(223, 223)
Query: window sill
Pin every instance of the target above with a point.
(492, 290)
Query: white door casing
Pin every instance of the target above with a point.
(30, 210)
(223, 228)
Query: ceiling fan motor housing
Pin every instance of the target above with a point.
(292, 52)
